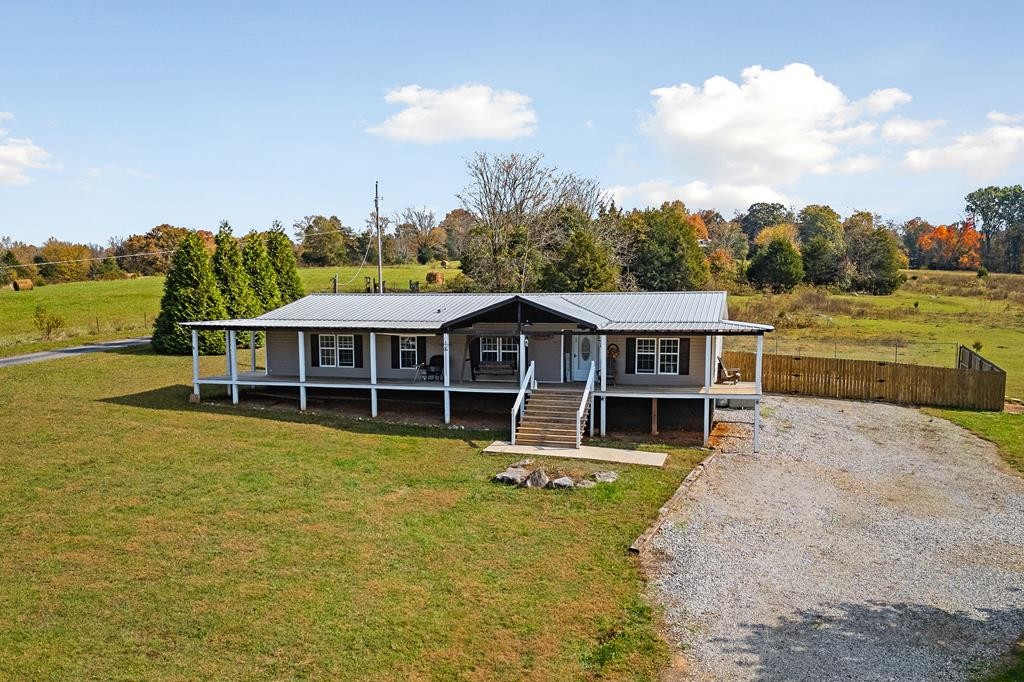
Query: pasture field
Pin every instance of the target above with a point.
(144, 537)
(104, 310)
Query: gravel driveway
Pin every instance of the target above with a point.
(866, 542)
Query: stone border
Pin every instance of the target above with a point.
(673, 503)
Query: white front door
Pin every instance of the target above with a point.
(584, 352)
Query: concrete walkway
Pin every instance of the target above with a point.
(616, 455)
(41, 356)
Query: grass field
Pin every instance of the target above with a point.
(99, 311)
(144, 537)
(1002, 428)
(927, 318)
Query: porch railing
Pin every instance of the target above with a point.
(587, 391)
(519, 406)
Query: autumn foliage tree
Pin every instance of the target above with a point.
(951, 247)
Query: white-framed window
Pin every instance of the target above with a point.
(499, 349)
(407, 355)
(328, 350)
(346, 350)
(646, 356)
(668, 356)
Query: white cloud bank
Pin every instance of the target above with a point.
(983, 154)
(18, 156)
(909, 130)
(724, 197)
(470, 111)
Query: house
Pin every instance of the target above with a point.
(559, 364)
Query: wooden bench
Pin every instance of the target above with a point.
(493, 368)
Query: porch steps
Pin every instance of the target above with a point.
(550, 417)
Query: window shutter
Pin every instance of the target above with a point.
(684, 356)
(474, 356)
(395, 363)
(630, 355)
(357, 349)
(421, 349)
(314, 350)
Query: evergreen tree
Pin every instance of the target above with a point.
(878, 272)
(668, 255)
(822, 260)
(10, 268)
(257, 263)
(190, 294)
(233, 280)
(777, 266)
(583, 262)
(282, 259)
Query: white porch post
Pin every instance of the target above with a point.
(195, 361)
(604, 381)
(373, 374)
(233, 337)
(252, 351)
(447, 378)
(302, 370)
(522, 358)
(757, 390)
(707, 389)
(227, 358)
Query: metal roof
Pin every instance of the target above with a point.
(669, 311)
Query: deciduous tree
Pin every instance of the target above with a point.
(951, 247)
(762, 215)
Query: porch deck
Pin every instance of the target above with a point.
(740, 390)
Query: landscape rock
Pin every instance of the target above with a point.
(537, 479)
(512, 476)
(522, 464)
(563, 482)
(605, 476)
(585, 484)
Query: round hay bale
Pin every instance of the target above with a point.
(435, 277)
(22, 285)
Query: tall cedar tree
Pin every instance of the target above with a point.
(583, 262)
(261, 273)
(235, 287)
(822, 260)
(190, 293)
(668, 255)
(10, 268)
(282, 258)
(776, 266)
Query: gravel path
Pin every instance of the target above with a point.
(99, 347)
(866, 542)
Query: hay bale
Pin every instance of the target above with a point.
(435, 277)
(22, 285)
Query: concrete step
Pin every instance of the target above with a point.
(528, 440)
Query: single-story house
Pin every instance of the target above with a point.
(559, 364)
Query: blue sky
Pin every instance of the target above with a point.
(120, 116)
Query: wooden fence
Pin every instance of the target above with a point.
(870, 380)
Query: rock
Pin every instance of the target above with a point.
(522, 464)
(605, 476)
(512, 476)
(563, 482)
(585, 484)
(536, 479)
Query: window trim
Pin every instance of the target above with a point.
(351, 347)
(637, 353)
(332, 347)
(674, 355)
(657, 354)
(506, 349)
(402, 351)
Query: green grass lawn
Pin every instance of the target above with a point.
(1009, 669)
(100, 311)
(1002, 428)
(143, 537)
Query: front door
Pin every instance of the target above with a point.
(584, 352)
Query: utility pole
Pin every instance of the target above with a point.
(376, 219)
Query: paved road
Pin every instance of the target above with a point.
(866, 542)
(41, 356)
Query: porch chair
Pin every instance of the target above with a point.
(434, 368)
(728, 375)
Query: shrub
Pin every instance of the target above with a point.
(777, 267)
(48, 324)
(982, 272)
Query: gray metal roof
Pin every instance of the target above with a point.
(670, 311)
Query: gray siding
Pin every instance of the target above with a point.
(694, 378)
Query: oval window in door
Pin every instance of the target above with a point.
(585, 349)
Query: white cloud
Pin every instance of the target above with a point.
(982, 154)
(589, 124)
(909, 130)
(469, 111)
(108, 171)
(861, 163)
(18, 156)
(886, 99)
(1000, 117)
(772, 127)
(723, 197)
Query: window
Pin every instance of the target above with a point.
(499, 349)
(407, 356)
(646, 356)
(346, 351)
(668, 356)
(328, 351)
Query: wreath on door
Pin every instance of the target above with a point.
(613, 351)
